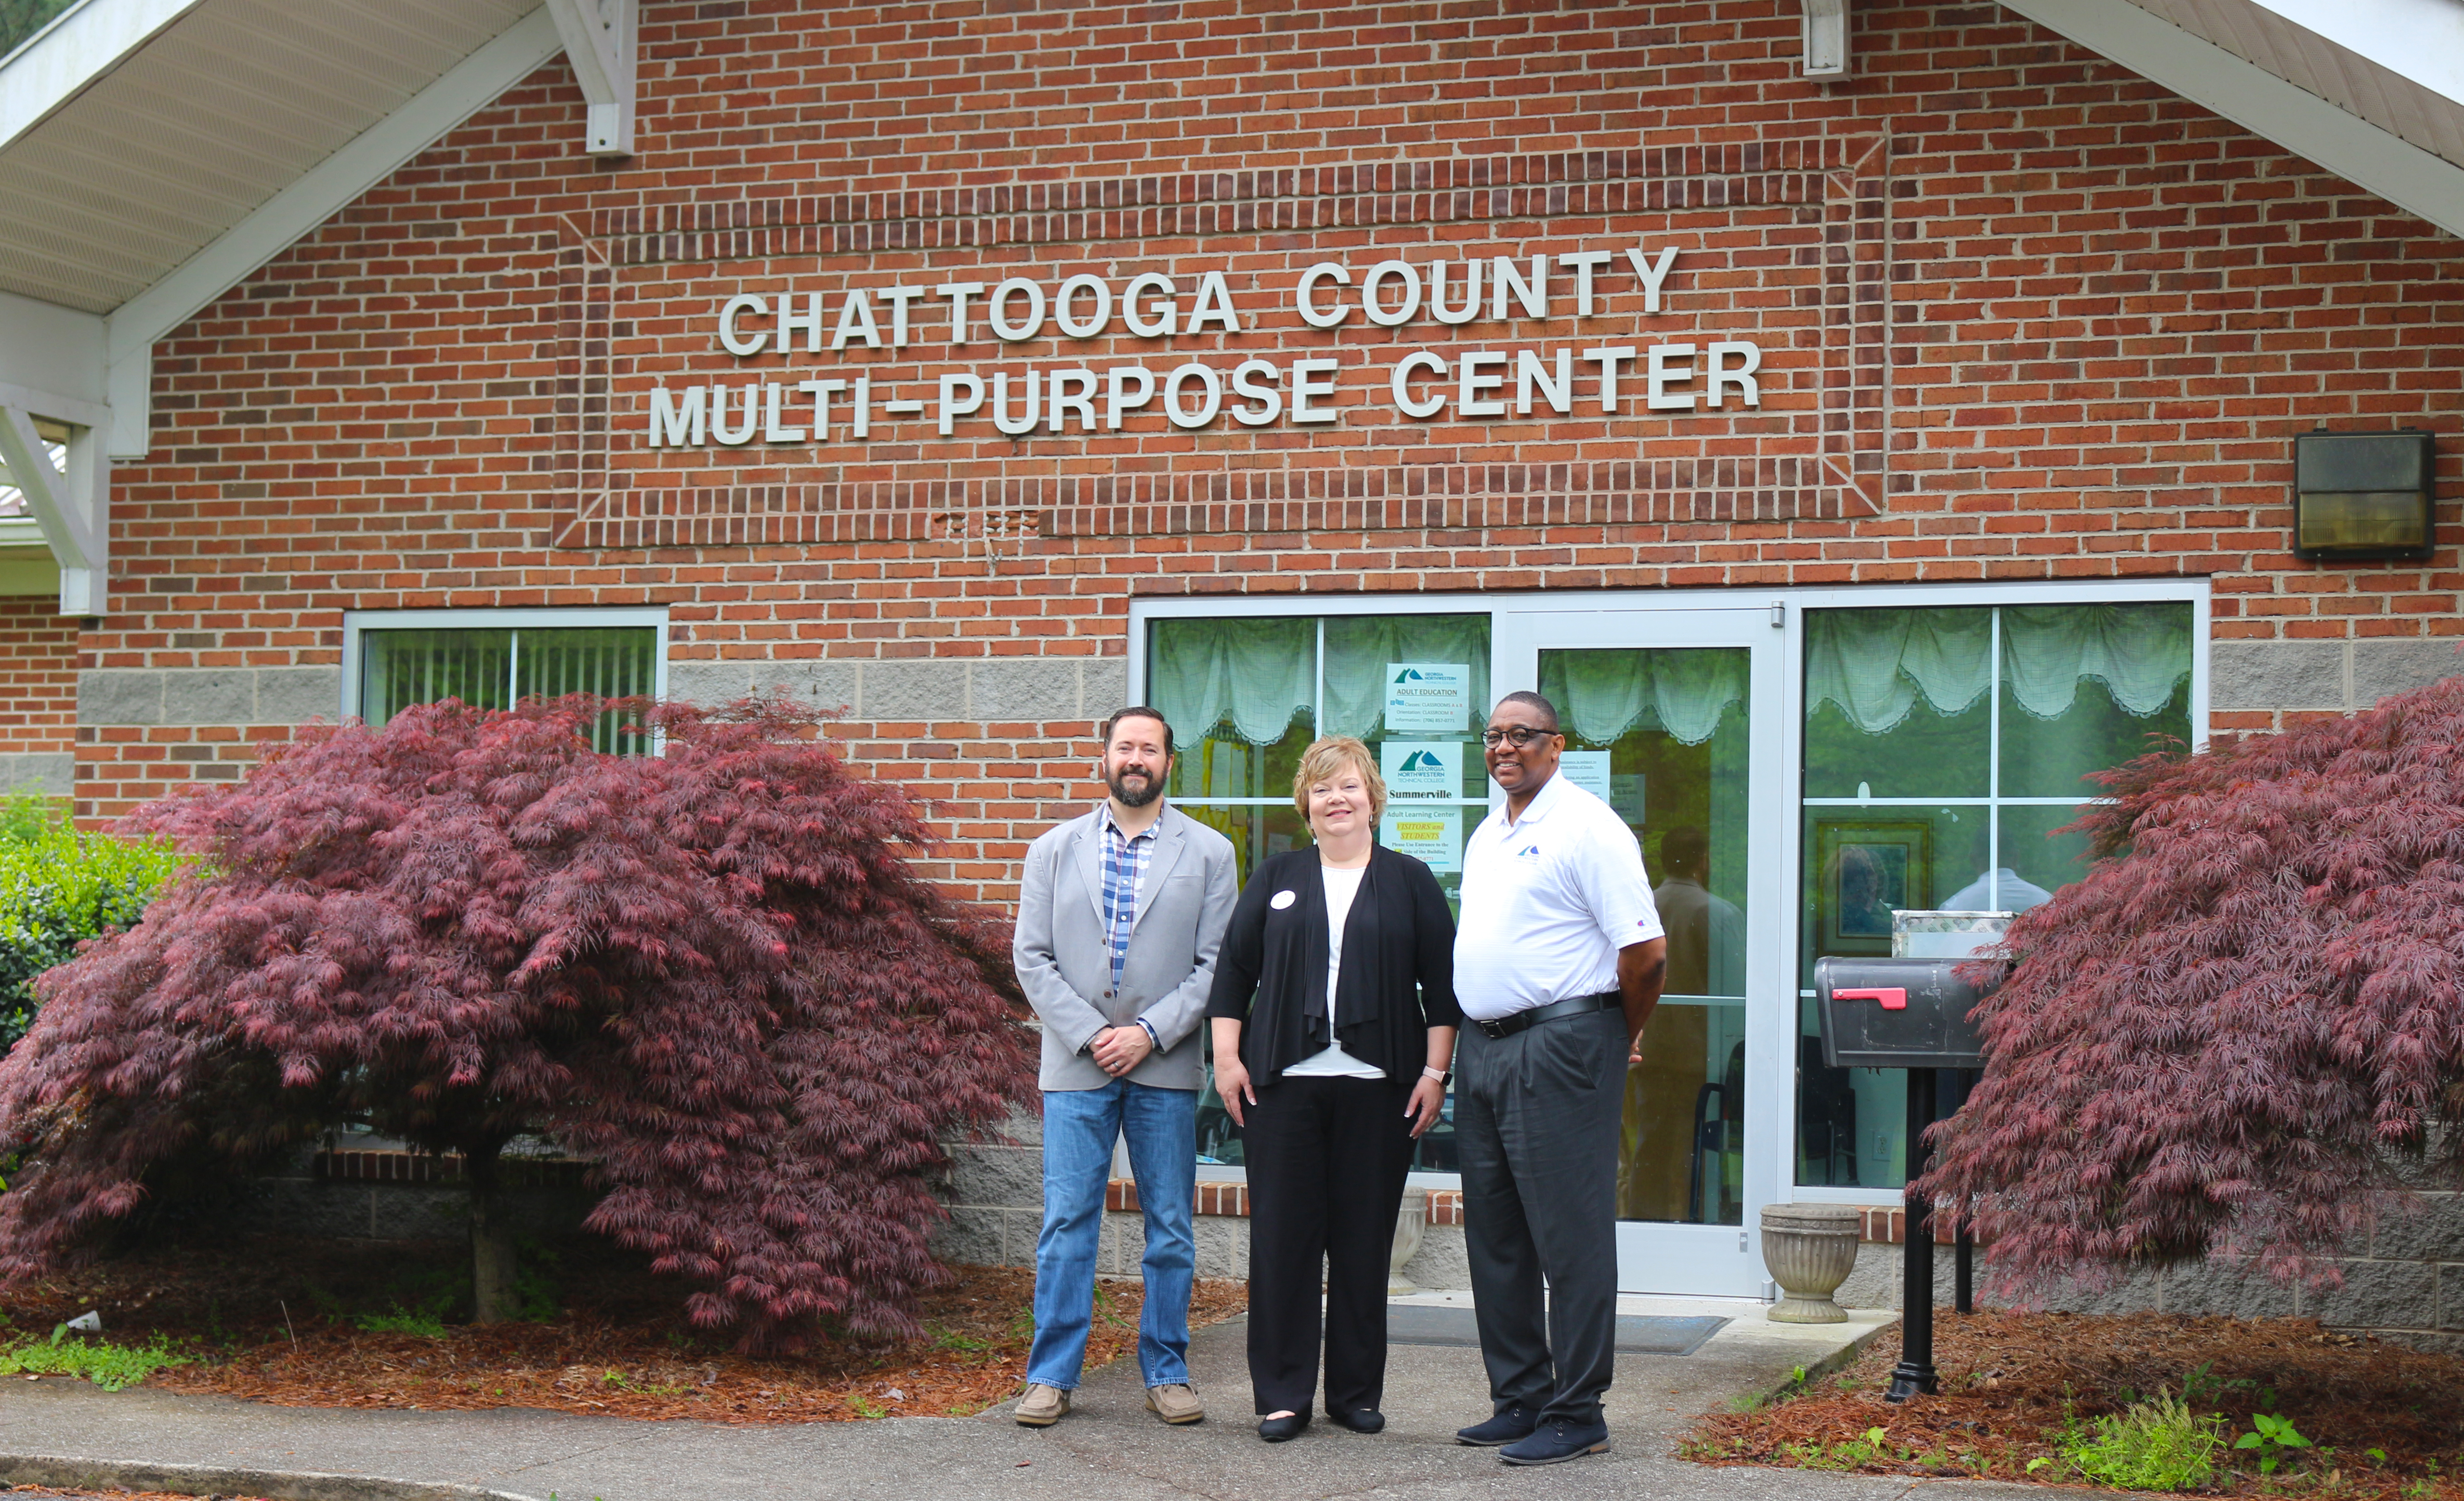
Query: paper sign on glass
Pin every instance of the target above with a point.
(1421, 768)
(1588, 771)
(1427, 698)
(1430, 835)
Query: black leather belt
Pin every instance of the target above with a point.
(1580, 1006)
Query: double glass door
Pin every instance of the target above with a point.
(1671, 716)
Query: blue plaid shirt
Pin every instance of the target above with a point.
(1124, 871)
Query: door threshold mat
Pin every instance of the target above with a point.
(1637, 1334)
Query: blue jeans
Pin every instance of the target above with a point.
(1079, 1128)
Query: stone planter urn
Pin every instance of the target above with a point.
(1810, 1248)
(1411, 1223)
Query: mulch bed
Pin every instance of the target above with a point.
(2012, 1385)
(277, 1320)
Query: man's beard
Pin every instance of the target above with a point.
(1151, 787)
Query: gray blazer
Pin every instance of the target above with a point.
(1066, 965)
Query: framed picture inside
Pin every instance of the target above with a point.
(1868, 869)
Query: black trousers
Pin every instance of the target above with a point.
(1536, 1117)
(1326, 1160)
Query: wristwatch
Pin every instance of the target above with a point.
(1443, 1076)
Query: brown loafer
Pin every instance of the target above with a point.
(1043, 1405)
(1176, 1404)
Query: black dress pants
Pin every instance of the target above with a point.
(1326, 1160)
(1536, 1120)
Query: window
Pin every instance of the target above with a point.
(1943, 748)
(1245, 696)
(493, 659)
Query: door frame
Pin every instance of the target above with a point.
(1674, 1257)
(1782, 609)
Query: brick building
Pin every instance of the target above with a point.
(1859, 457)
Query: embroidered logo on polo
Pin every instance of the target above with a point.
(1283, 900)
(1527, 852)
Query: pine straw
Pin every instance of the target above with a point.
(66, 1493)
(2010, 1383)
(621, 1347)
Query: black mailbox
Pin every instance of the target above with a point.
(1897, 1013)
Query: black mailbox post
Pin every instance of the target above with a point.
(1912, 1014)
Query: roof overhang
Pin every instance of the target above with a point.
(2330, 80)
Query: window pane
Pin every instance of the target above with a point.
(481, 667)
(2030, 849)
(1896, 702)
(400, 667)
(613, 662)
(1237, 680)
(2086, 686)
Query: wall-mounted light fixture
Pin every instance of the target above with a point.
(2363, 495)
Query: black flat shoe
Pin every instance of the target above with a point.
(1278, 1430)
(1359, 1420)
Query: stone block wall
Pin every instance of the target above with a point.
(2403, 1280)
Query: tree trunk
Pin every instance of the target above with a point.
(491, 1245)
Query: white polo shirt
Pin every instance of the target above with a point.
(1548, 900)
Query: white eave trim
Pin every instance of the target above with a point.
(2300, 122)
(75, 49)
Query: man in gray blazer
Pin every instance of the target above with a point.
(1119, 917)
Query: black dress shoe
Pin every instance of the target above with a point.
(1278, 1430)
(1511, 1422)
(1557, 1440)
(1359, 1420)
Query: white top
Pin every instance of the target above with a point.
(1548, 900)
(1341, 886)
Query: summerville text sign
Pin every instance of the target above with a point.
(1690, 374)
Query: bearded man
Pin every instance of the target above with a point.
(1119, 917)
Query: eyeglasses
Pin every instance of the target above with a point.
(1517, 736)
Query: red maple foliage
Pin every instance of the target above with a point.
(2245, 1026)
(711, 970)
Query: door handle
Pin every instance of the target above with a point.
(1894, 999)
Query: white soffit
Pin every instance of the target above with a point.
(179, 132)
(2372, 90)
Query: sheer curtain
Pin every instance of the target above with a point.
(1254, 674)
(1602, 695)
(1875, 664)
(1258, 675)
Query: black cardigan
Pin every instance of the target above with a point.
(1399, 966)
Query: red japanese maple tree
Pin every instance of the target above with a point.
(2246, 1023)
(711, 970)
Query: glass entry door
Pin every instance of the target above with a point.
(1671, 716)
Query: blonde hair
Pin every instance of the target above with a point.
(1324, 757)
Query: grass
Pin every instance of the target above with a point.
(109, 1366)
(2157, 1444)
(426, 1323)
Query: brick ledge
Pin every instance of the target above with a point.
(1232, 1201)
(1887, 1227)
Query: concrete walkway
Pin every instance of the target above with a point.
(1110, 1449)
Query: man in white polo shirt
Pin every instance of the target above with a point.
(1558, 961)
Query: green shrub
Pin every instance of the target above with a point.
(2157, 1444)
(59, 885)
(107, 1365)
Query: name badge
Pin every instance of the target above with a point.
(1283, 900)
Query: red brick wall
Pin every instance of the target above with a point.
(38, 676)
(2028, 317)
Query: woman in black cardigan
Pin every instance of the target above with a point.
(1334, 1022)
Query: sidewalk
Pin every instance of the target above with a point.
(1110, 1449)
